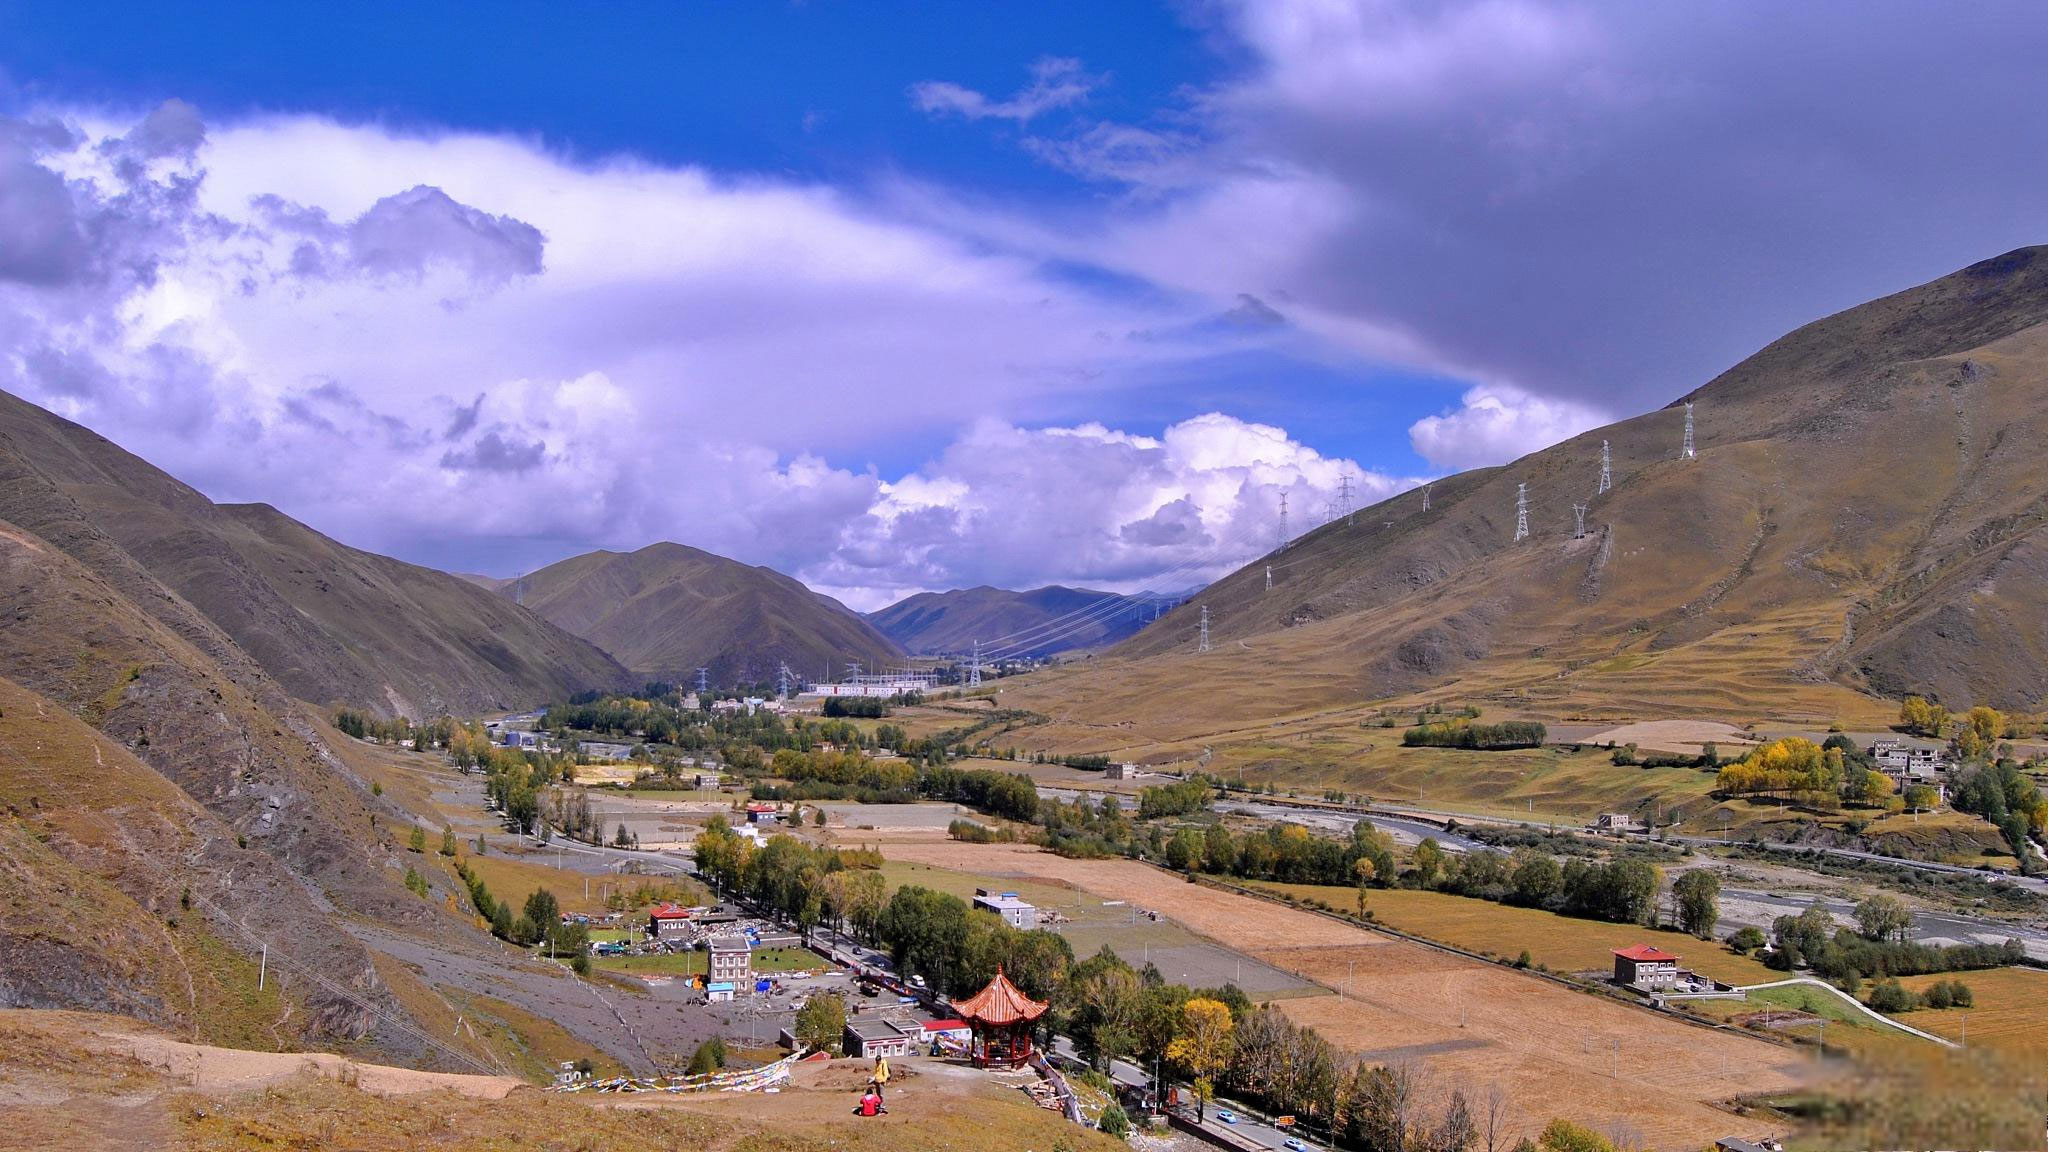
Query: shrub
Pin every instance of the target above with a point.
(1114, 1122)
(1746, 939)
(1892, 997)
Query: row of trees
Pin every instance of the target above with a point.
(805, 884)
(1465, 734)
(1876, 947)
(1180, 798)
(398, 730)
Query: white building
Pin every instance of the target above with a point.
(1016, 913)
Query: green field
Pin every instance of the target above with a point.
(1560, 943)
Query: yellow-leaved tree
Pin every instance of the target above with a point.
(1202, 1044)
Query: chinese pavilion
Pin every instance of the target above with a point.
(1002, 1018)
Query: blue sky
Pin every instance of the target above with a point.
(902, 296)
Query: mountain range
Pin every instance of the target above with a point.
(1040, 622)
(1863, 518)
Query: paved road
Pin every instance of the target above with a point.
(2034, 883)
(1928, 927)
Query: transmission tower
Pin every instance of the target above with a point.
(1578, 521)
(703, 681)
(1283, 520)
(1521, 512)
(783, 676)
(1606, 469)
(974, 667)
(1425, 497)
(1686, 453)
(853, 669)
(1344, 497)
(1202, 643)
(1269, 577)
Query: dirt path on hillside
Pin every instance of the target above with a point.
(1678, 737)
(1464, 1023)
(211, 1069)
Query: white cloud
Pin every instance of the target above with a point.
(1496, 423)
(1056, 82)
(1091, 505)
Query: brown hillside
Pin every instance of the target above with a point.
(331, 623)
(666, 610)
(1864, 517)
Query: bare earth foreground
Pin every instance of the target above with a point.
(1465, 1023)
(78, 1080)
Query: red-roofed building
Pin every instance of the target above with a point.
(668, 922)
(955, 1030)
(1645, 967)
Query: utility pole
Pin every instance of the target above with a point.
(1578, 521)
(263, 969)
(1686, 453)
(1521, 512)
(1202, 644)
(1606, 469)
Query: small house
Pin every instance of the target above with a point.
(952, 1031)
(708, 781)
(762, 814)
(1646, 968)
(1617, 823)
(668, 922)
(1016, 913)
(1120, 771)
(875, 1037)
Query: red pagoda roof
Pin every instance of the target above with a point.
(669, 912)
(1642, 953)
(1000, 1004)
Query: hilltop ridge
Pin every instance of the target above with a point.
(1863, 519)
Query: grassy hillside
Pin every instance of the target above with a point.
(1863, 519)
(332, 624)
(667, 610)
(1039, 622)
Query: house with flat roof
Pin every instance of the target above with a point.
(876, 1036)
(1016, 913)
(1645, 967)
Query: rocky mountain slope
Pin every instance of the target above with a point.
(1039, 622)
(330, 623)
(666, 610)
(1864, 518)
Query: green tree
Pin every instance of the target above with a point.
(1114, 1121)
(542, 909)
(709, 1057)
(1536, 879)
(1564, 1136)
(1883, 917)
(418, 840)
(1890, 996)
(447, 841)
(1698, 893)
(1429, 862)
(821, 1023)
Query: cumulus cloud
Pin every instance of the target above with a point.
(1494, 424)
(1056, 82)
(361, 328)
(1091, 504)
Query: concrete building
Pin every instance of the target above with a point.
(732, 962)
(1616, 822)
(875, 1036)
(668, 922)
(708, 781)
(1016, 913)
(1646, 968)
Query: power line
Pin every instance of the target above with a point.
(1606, 469)
(1521, 512)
